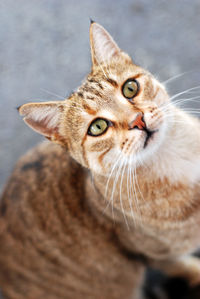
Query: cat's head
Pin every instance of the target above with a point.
(115, 115)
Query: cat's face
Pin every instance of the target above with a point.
(116, 115)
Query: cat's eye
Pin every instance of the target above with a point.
(98, 127)
(130, 88)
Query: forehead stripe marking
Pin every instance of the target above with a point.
(89, 110)
(92, 90)
(96, 82)
(113, 82)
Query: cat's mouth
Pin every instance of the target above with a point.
(149, 136)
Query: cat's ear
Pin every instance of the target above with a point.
(43, 118)
(103, 47)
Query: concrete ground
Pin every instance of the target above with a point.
(44, 52)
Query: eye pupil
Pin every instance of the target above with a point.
(99, 127)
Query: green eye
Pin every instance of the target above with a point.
(130, 88)
(98, 127)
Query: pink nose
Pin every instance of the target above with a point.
(138, 122)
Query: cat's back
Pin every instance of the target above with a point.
(43, 175)
(51, 245)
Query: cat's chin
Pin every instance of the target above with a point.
(150, 137)
(152, 143)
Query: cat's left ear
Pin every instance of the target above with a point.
(44, 118)
(103, 47)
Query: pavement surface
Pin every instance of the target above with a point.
(44, 53)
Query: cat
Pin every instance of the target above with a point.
(116, 189)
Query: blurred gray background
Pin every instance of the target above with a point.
(44, 50)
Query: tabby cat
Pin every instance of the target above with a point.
(118, 188)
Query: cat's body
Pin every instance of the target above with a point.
(57, 248)
(71, 233)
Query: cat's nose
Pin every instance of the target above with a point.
(138, 122)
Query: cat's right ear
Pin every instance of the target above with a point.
(44, 118)
(103, 47)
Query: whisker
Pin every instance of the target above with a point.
(114, 184)
(179, 101)
(107, 184)
(135, 192)
(191, 111)
(129, 191)
(110, 175)
(53, 94)
(175, 77)
(195, 111)
(193, 99)
(184, 92)
(120, 194)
